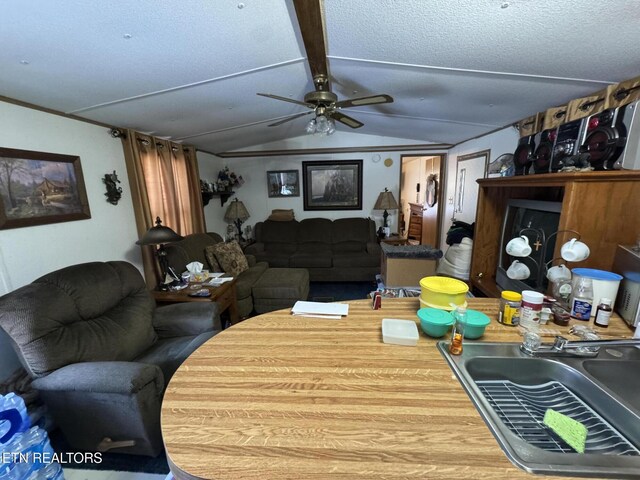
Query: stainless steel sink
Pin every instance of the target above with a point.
(512, 392)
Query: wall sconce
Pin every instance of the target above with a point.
(114, 192)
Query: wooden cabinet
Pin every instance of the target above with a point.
(603, 206)
(415, 223)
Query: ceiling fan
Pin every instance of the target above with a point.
(323, 102)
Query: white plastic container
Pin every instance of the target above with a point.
(399, 332)
(530, 309)
(605, 284)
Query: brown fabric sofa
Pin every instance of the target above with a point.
(259, 288)
(192, 249)
(332, 250)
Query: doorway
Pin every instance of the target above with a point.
(421, 191)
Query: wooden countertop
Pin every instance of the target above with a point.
(282, 397)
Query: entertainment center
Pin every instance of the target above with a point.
(603, 206)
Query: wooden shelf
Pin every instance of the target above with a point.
(224, 196)
(603, 206)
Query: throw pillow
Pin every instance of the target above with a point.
(210, 255)
(230, 257)
(280, 215)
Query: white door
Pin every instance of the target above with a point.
(469, 169)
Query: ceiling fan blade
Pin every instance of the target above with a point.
(288, 119)
(285, 99)
(359, 102)
(310, 15)
(348, 121)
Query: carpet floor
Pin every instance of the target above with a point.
(339, 291)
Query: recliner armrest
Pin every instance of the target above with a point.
(254, 249)
(373, 248)
(102, 377)
(187, 318)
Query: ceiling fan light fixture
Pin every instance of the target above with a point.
(311, 126)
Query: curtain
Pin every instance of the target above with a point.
(165, 183)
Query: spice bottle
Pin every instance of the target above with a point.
(582, 299)
(603, 313)
(509, 308)
(457, 335)
(531, 308)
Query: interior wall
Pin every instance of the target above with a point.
(376, 176)
(500, 142)
(30, 252)
(209, 166)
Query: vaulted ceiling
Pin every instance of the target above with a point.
(189, 70)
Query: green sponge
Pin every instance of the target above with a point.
(570, 430)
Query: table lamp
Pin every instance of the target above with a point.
(237, 213)
(159, 235)
(386, 201)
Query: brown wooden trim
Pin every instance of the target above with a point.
(559, 179)
(439, 147)
(311, 22)
(32, 106)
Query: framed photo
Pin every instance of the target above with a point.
(283, 183)
(335, 185)
(37, 188)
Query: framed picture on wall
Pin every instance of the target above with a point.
(37, 188)
(283, 183)
(332, 185)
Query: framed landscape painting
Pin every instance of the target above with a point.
(37, 188)
(283, 183)
(335, 185)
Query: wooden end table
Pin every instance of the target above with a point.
(224, 295)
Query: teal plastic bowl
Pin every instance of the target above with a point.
(434, 322)
(476, 323)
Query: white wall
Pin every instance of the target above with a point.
(500, 142)
(376, 176)
(30, 252)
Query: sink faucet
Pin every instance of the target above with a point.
(574, 348)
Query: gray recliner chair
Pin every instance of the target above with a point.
(101, 353)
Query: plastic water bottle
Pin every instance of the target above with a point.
(8, 402)
(34, 447)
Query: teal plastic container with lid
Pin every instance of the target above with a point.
(476, 323)
(435, 322)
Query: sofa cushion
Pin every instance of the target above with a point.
(190, 249)
(170, 353)
(355, 260)
(275, 259)
(281, 248)
(344, 247)
(212, 261)
(230, 257)
(88, 312)
(310, 260)
(315, 230)
(314, 247)
(247, 278)
(352, 230)
(279, 232)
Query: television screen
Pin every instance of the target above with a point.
(538, 221)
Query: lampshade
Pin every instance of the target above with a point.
(158, 235)
(236, 211)
(386, 201)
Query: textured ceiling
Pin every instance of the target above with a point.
(190, 70)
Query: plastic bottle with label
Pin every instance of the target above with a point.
(603, 313)
(582, 299)
(530, 309)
